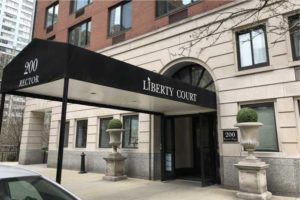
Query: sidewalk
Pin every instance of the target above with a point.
(90, 186)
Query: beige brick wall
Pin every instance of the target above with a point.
(154, 51)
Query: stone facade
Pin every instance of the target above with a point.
(156, 51)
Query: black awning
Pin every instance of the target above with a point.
(95, 79)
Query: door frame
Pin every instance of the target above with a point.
(164, 175)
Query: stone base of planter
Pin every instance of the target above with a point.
(253, 180)
(114, 167)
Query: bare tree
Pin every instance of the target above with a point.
(46, 130)
(4, 60)
(12, 128)
(230, 19)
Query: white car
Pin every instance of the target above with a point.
(22, 184)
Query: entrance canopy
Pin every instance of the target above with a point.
(97, 80)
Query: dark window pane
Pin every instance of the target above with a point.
(115, 20)
(126, 16)
(161, 8)
(120, 18)
(66, 140)
(130, 137)
(104, 136)
(81, 133)
(49, 16)
(267, 135)
(78, 4)
(295, 35)
(184, 75)
(173, 5)
(195, 75)
(80, 35)
(52, 15)
(32, 188)
(296, 38)
(166, 6)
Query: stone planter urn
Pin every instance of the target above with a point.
(252, 171)
(115, 161)
(249, 131)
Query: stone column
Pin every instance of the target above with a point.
(31, 141)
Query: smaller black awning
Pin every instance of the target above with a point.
(94, 79)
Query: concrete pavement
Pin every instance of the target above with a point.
(90, 186)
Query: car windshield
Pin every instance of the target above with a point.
(31, 188)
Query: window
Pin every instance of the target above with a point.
(252, 48)
(66, 139)
(80, 34)
(10, 15)
(8, 28)
(294, 23)
(104, 136)
(79, 4)
(26, 8)
(31, 187)
(52, 14)
(120, 18)
(81, 133)
(25, 21)
(130, 136)
(20, 39)
(166, 6)
(267, 135)
(24, 14)
(195, 75)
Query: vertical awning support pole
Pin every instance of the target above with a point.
(62, 131)
(2, 109)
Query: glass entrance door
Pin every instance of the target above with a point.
(168, 149)
(203, 144)
(205, 148)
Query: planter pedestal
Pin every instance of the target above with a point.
(253, 180)
(252, 171)
(115, 167)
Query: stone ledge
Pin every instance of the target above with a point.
(114, 178)
(247, 196)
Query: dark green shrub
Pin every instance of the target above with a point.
(246, 115)
(114, 124)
